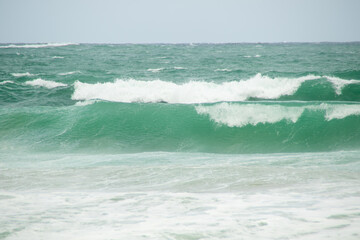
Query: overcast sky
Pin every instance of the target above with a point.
(174, 21)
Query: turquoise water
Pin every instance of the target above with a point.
(180, 141)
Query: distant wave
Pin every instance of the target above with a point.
(68, 73)
(57, 57)
(27, 74)
(5, 82)
(132, 90)
(255, 56)
(44, 83)
(222, 70)
(41, 45)
(238, 115)
(155, 70)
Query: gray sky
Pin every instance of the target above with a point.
(174, 21)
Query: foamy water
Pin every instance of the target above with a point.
(44, 83)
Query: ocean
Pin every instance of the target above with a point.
(180, 141)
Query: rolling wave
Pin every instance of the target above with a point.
(238, 115)
(220, 128)
(259, 86)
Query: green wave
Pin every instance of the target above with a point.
(125, 128)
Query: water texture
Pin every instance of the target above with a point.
(180, 141)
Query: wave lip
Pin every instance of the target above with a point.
(239, 115)
(191, 92)
(339, 83)
(234, 115)
(340, 111)
(41, 45)
(44, 83)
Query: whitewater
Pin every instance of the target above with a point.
(180, 141)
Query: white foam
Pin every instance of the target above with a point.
(68, 73)
(256, 56)
(42, 45)
(27, 74)
(339, 83)
(340, 111)
(238, 115)
(191, 92)
(84, 103)
(44, 83)
(222, 70)
(234, 115)
(155, 70)
(179, 68)
(5, 82)
(57, 57)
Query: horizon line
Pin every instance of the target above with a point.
(175, 43)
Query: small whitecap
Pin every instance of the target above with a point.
(27, 74)
(155, 70)
(222, 70)
(68, 73)
(5, 82)
(44, 83)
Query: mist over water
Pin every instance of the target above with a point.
(178, 141)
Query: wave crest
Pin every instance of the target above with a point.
(44, 83)
(27, 74)
(239, 115)
(132, 90)
(5, 82)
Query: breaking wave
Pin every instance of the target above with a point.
(258, 86)
(238, 115)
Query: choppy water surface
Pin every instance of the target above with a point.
(200, 141)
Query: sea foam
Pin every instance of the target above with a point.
(234, 115)
(155, 70)
(132, 90)
(27, 74)
(68, 73)
(339, 83)
(44, 83)
(238, 115)
(42, 45)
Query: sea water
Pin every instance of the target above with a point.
(180, 141)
